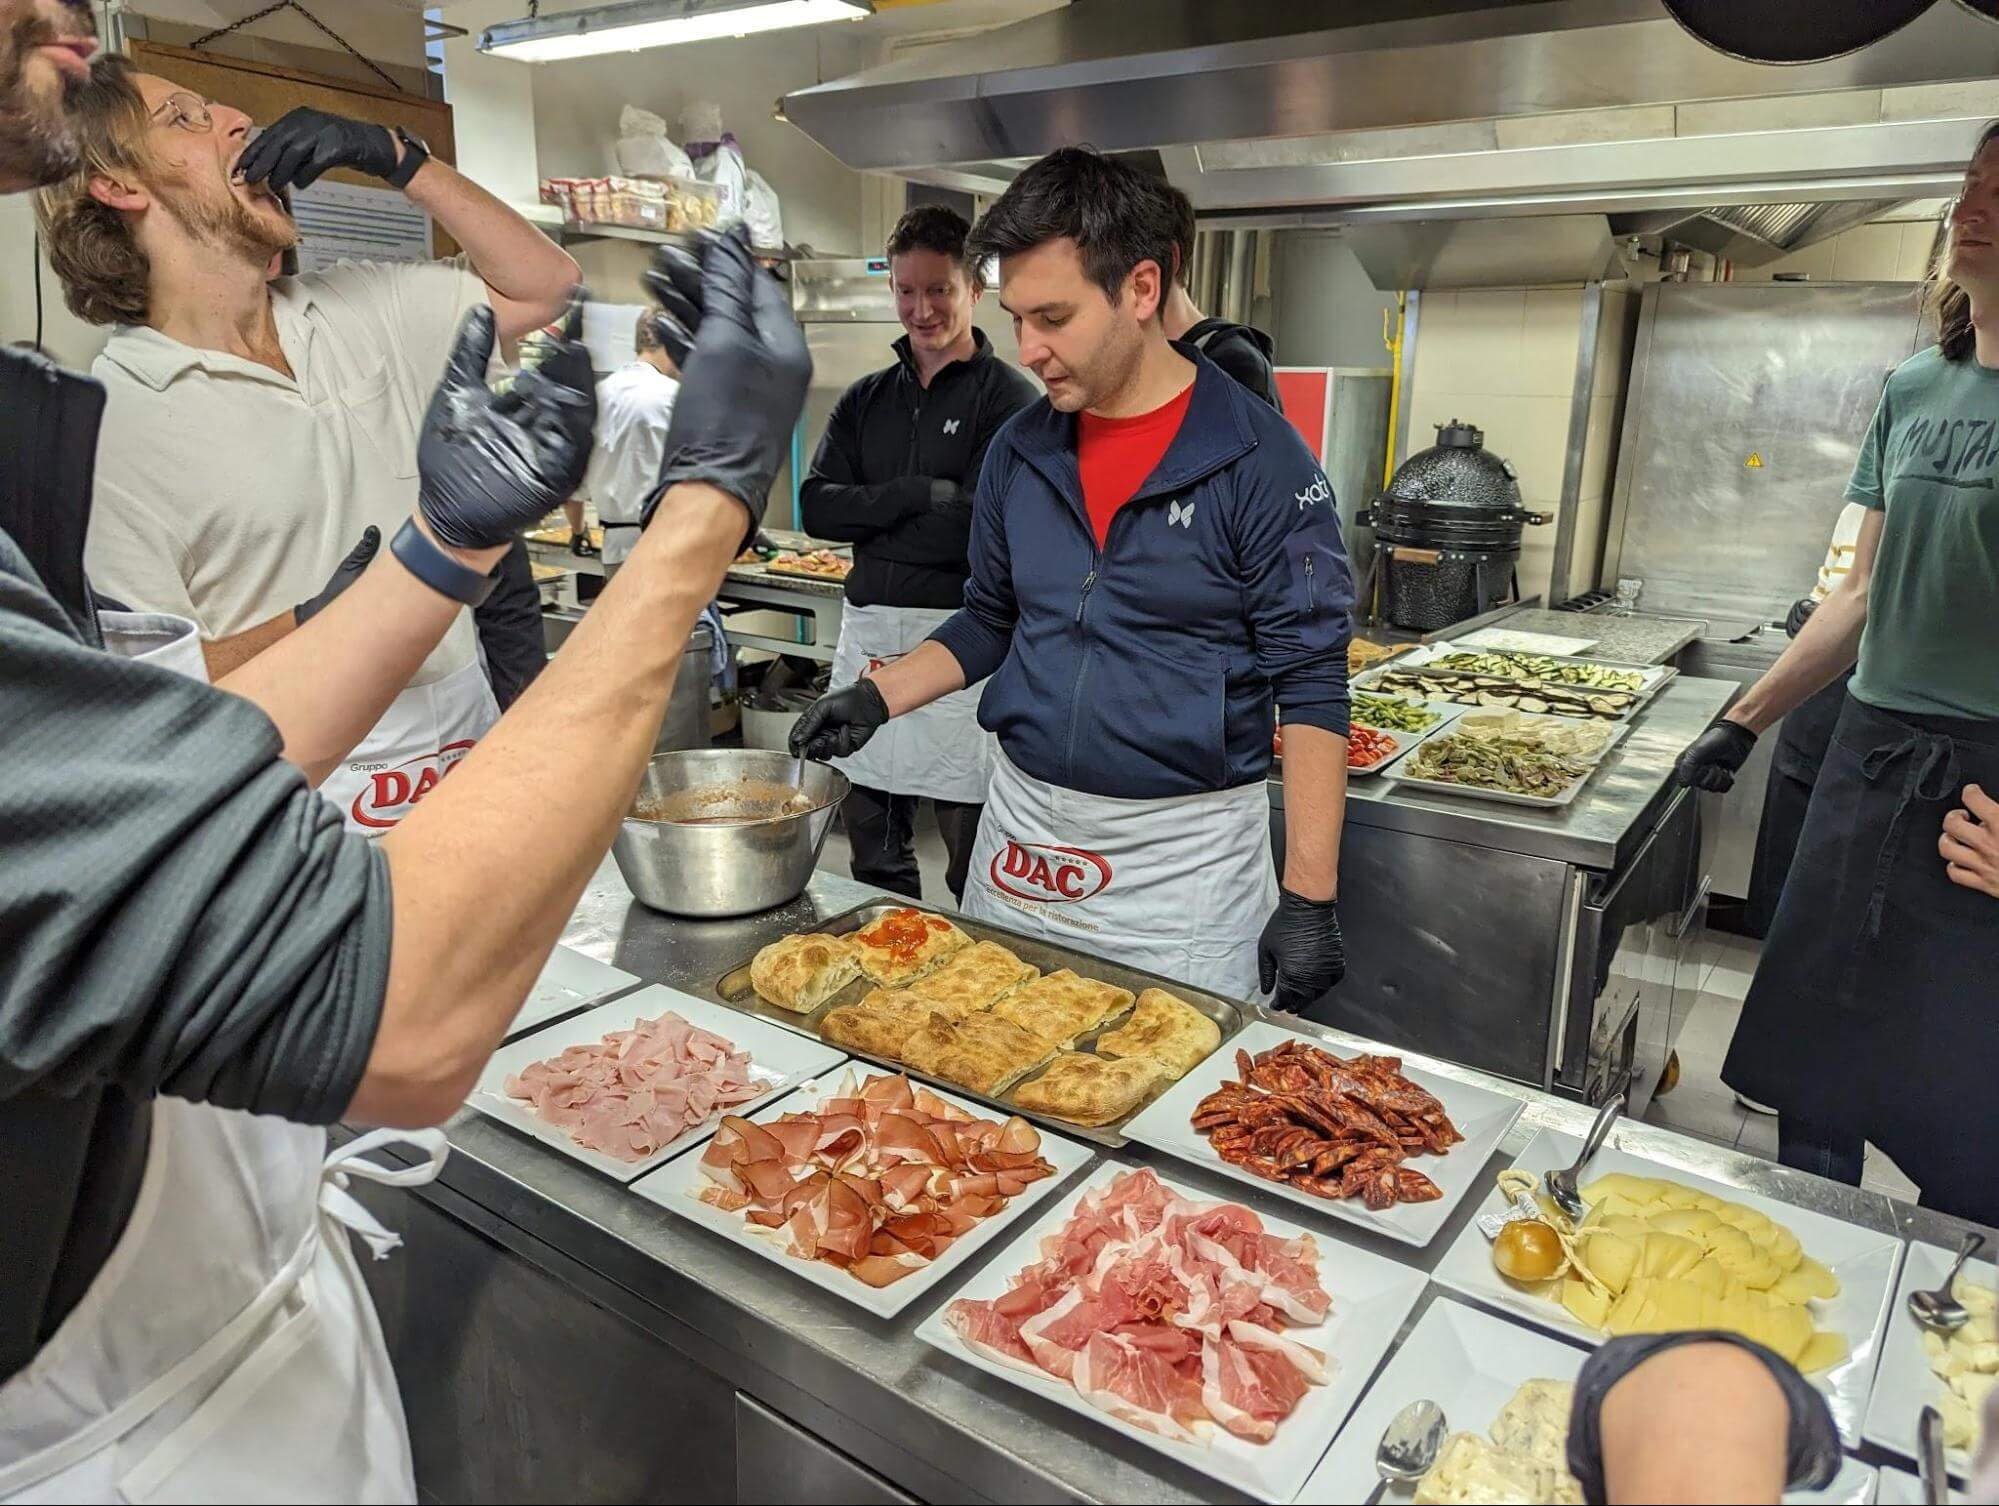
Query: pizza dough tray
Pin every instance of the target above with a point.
(736, 991)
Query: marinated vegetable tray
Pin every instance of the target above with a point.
(1454, 764)
(1544, 684)
(1104, 1036)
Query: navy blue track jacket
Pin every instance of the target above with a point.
(1150, 668)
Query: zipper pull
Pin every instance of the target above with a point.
(1083, 600)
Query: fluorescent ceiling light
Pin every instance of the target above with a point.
(655, 23)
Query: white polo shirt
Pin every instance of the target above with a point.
(634, 405)
(228, 493)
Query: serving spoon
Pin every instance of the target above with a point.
(1562, 1184)
(1408, 1447)
(1939, 1310)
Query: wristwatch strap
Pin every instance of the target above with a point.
(415, 154)
(440, 571)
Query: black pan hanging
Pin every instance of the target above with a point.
(1797, 31)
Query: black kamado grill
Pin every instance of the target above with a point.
(1447, 531)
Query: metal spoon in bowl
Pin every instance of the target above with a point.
(1562, 1184)
(1940, 1311)
(1408, 1446)
(1930, 1467)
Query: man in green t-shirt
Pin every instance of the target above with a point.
(1870, 1016)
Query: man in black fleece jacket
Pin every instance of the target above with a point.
(894, 476)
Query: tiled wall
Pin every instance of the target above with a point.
(1505, 360)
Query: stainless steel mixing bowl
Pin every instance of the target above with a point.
(712, 871)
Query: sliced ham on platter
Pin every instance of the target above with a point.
(636, 1091)
(1167, 1313)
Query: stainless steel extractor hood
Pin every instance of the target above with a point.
(1317, 111)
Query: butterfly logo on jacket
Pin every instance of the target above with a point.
(951, 425)
(1180, 515)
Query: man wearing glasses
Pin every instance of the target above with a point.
(256, 427)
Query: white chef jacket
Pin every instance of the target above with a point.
(227, 492)
(634, 404)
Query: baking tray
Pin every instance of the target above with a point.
(1657, 676)
(1499, 797)
(738, 993)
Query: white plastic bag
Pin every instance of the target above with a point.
(717, 158)
(645, 150)
(762, 213)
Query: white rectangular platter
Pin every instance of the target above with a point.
(1508, 641)
(1901, 1487)
(569, 981)
(1482, 1117)
(675, 1187)
(1371, 1297)
(1864, 1261)
(1905, 1384)
(1470, 1363)
(778, 1058)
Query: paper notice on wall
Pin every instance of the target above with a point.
(349, 222)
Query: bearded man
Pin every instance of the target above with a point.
(255, 427)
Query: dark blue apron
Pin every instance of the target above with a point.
(1875, 1010)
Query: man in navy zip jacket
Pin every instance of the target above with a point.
(1156, 568)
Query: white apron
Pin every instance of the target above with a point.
(425, 731)
(226, 1351)
(1181, 887)
(939, 751)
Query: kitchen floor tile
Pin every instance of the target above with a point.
(1882, 1175)
(1759, 1136)
(1703, 1108)
(837, 856)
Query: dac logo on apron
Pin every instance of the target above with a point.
(1051, 875)
(386, 797)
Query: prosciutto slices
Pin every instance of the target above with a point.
(878, 1180)
(637, 1091)
(1173, 1315)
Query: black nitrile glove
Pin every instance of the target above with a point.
(306, 143)
(491, 464)
(1712, 758)
(678, 315)
(839, 723)
(743, 383)
(1301, 952)
(1812, 1452)
(1800, 613)
(344, 575)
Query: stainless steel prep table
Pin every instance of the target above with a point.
(558, 1338)
(1558, 948)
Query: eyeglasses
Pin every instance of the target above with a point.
(187, 111)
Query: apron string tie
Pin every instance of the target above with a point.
(340, 1205)
(1932, 773)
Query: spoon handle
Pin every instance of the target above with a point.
(1971, 1244)
(1929, 1457)
(1374, 1496)
(1600, 1131)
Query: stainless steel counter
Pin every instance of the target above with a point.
(557, 1336)
(1606, 823)
(1628, 640)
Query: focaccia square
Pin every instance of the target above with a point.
(879, 1024)
(803, 972)
(905, 944)
(1166, 1030)
(1085, 1089)
(981, 1052)
(974, 978)
(1062, 1007)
